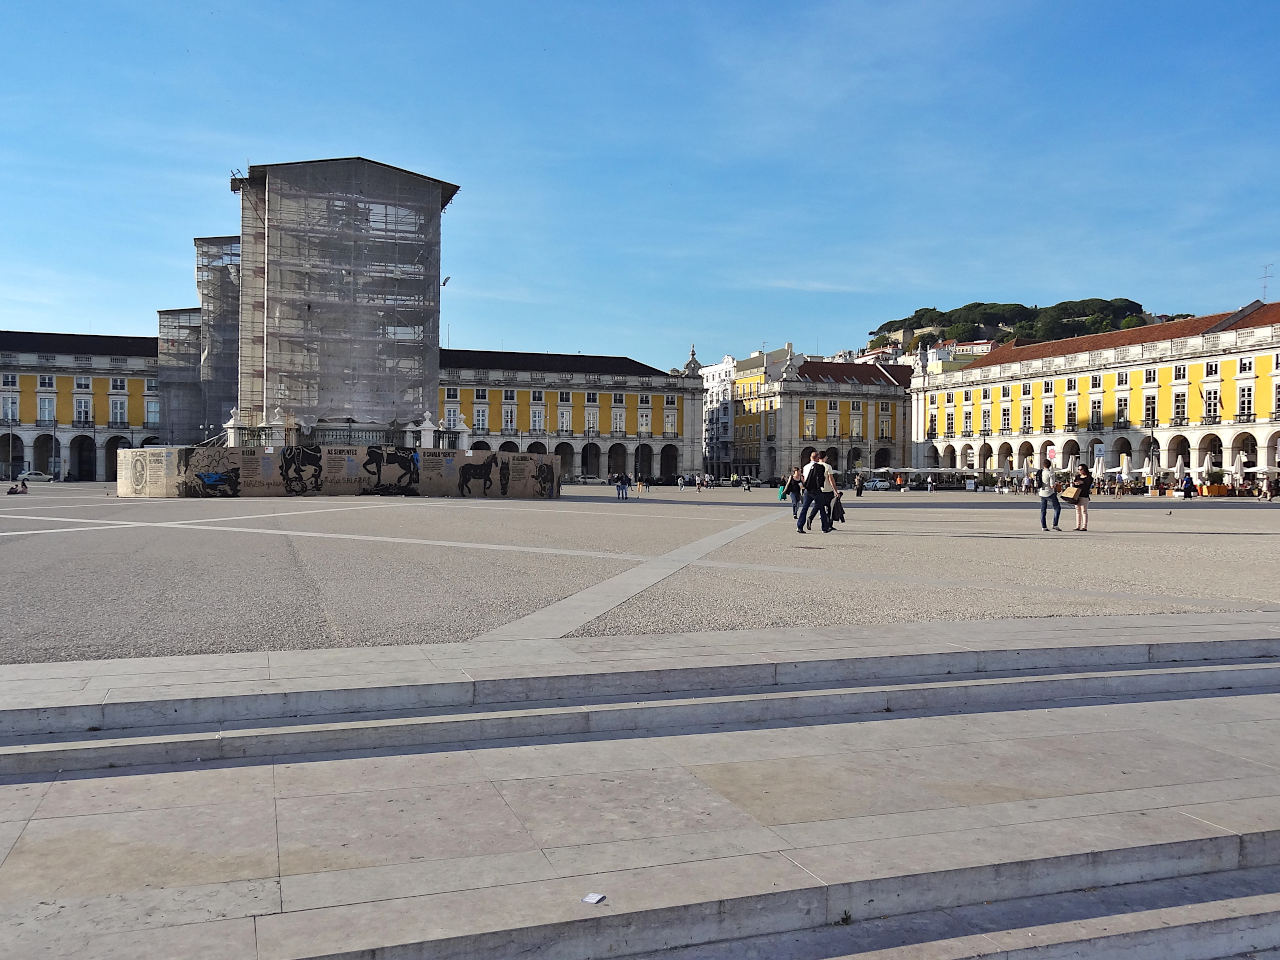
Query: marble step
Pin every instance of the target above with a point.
(720, 904)
(1232, 915)
(234, 739)
(177, 696)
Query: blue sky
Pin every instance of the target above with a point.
(636, 177)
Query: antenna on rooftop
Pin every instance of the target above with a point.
(1266, 275)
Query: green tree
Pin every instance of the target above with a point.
(883, 340)
(1129, 323)
(962, 331)
(926, 340)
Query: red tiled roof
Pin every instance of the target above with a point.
(868, 374)
(1016, 351)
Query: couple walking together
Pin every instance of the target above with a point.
(818, 485)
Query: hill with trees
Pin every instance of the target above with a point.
(1003, 321)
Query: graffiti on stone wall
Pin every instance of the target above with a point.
(401, 466)
(302, 470)
(207, 472)
(334, 471)
(482, 471)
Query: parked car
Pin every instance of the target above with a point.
(589, 478)
(34, 476)
(875, 483)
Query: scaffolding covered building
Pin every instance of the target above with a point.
(218, 283)
(178, 366)
(339, 299)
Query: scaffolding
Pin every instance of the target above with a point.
(218, 283)
(339, 303)
(178, 366)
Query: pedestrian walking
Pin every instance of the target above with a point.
(794, 488)
(830, 487)
(859, 484)
(680, 481)
(623, 481)
(1048, 497)
(1084, 487)
(812, 479)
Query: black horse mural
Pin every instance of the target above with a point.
(301, 469)
(403, 458)
(544, 476)
(471, 471)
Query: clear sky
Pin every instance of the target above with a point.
(639, 176)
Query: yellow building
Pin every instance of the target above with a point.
(69, 401)
(600, 415)
(1203, 389)
(786, 405)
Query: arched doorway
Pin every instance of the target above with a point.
(833, 457)
(805, 454)
(949, 457)
(84, 458)
(1271, 452)
(151, 442)
(565, 452)
(1069, 449)
(855, 458)
(644, 460)
(537, 447)
(1026, 451)
(1120, 449)
(967, 461)
(770, 463)
(618, 459)
(509, 446)
(1044, 454)
(1247, 444)
(480, 445)
(669, 460)
(46, 455)
(984, 457)
(1004, 457)
(1210, 446)
(1180, 446)
(12, 454)
(932, 458)
(591, 460)
(114, 445)
(882, 457)
(1149, 449)
(1094, 449)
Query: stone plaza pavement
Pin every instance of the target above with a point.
(959, 737)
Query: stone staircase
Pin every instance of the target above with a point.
(1184, 868)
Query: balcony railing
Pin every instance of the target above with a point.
(1047, 428)
(644, 434)
(118, 424)
(45, 423)
(591, 432)
(770, 437)
(986, 432)
(1006, 432)
(1096, 425)
(564, 433)
(480, 431)
(1150, 423)
(1027, 431)
(617, 433)
(931, 435)
(670, 435)
(1178, 421)
(949, 435)
(151, 424)
(510, 432)
(966, 433)
(1245, 417)
(1210, 420)
(1120, 423)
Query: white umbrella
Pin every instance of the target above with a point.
(1099, 465)
(1207, 465)
(1073, 462)
(1237, 469)
(1179, 469)
(1146, 468)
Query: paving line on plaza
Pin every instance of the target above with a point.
(412, 541)
(564, 616)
